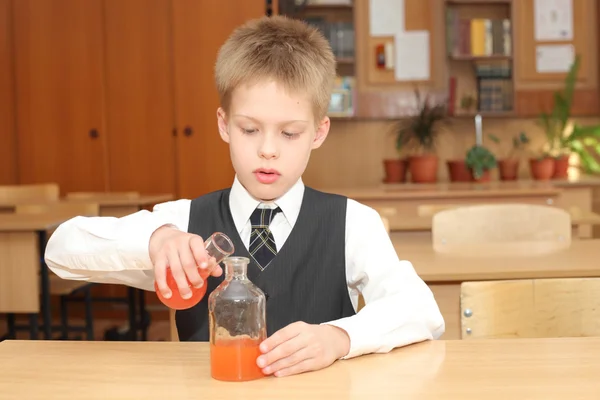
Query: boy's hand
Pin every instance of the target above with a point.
(182, 252)
(301, 347)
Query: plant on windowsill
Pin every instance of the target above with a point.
(395, 168)
(480, 161)
(418, 135)
(509, 166)
(582, 140)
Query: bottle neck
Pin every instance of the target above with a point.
(236, 270)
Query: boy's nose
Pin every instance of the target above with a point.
(268, 149)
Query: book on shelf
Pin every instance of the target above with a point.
(477, 37)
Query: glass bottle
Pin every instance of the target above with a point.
(237, 318)
(219, 246)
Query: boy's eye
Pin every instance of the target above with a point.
(248, 131)
(289, 135)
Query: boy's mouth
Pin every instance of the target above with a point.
(264, 175)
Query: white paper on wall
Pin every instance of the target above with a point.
(553, 20)
(412, 56)
(552, 58)
(386, 17)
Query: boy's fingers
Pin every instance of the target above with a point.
(189, 266)
(160, 275)
(279, 337)
(215, 269)
(199, 251)
(179, 275)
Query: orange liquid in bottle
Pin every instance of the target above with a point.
(235, 360)
(176, 302)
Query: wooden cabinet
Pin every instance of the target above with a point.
(58, 55)
(534, 90)
(8, 135)
(117, 95)
(139, 96)
(203, 163)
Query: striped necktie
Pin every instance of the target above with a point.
(262, 244)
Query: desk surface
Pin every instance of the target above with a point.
(493, 369)
(453, 190)
(119, 200)
(580, 260)
(31, 222)
(105, 200)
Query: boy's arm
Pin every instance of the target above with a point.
(399, 307)
(112, 250)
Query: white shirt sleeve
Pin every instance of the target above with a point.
(400, 309)
(112, 250)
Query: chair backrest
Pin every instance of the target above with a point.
(501, 229)
(60, 207)
(173, 326)
(15, 194)
(99, 195)
(530, 308)
(386, 224)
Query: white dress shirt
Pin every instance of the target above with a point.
(399, 308)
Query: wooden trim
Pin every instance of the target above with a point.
(530, 103)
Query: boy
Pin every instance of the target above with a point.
(274, 76)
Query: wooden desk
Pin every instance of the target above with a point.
(444, 273)
(111, 206)
(22, 244)
(493, 369)
(405, 198)
(119, 206)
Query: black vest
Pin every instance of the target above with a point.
(306, 281)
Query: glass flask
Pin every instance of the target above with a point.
(219, 246)
(237, 317)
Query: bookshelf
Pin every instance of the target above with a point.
(479, 54)
(335, 19)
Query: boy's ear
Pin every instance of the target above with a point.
(222, 123)
(322, 132)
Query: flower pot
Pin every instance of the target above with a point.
(542, 169)
(458, 171)
(395, 170)
(509, 169)
(423, 169)
(486, 177)
(561, 167)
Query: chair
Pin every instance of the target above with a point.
(530, 308)
(67, 290)
(16, 194)
(501, 229)
(173, 326)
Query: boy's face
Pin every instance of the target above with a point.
(270, 134)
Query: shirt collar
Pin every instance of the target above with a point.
(242, 204)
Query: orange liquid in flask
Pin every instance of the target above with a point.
(218, 246)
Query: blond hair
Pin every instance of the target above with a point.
(289, 51)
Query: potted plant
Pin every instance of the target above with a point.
(509, 166)
(561, 145)
(480, 161)
(395, 168)
(418, 135)
(458, 171)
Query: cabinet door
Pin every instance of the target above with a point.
(8, 142)
(59, 83)
(534, 89)
(200, 28)
(139, 96)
